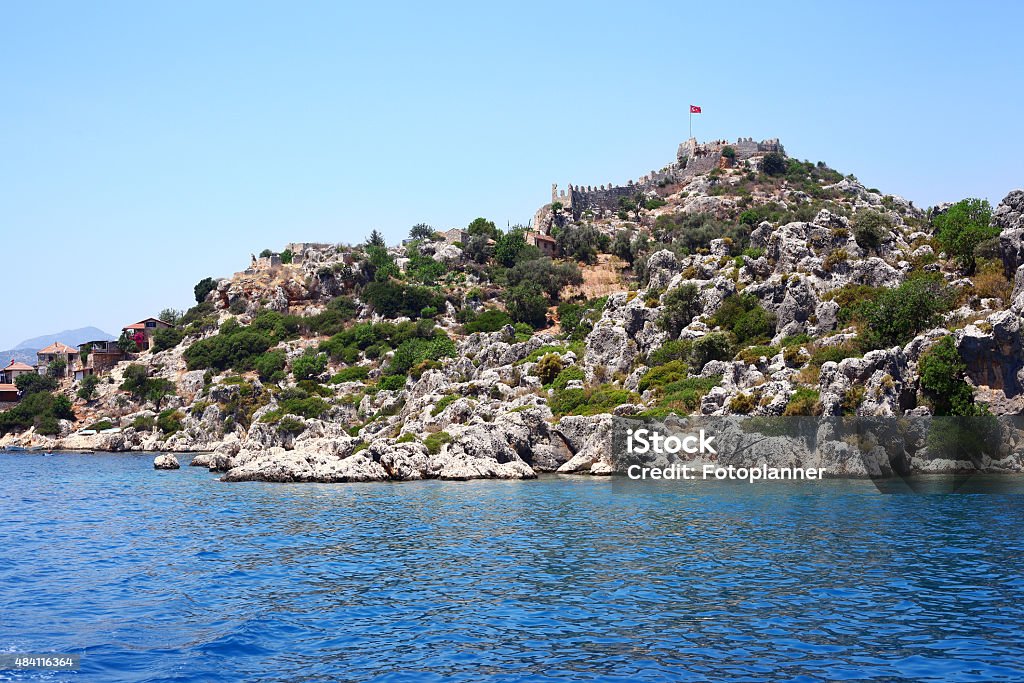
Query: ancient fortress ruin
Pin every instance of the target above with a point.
(692, 159)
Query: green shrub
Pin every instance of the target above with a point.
(413, 352)
(29, 384)
(291, 425)
(548, 368)
(962, 227)
(752, 354)
(742, 403)
(523, 332)
(271, 364)
(682, 394)
(713, 346)
(203, 289)
(375, 339)
(796, 339)
(870, 228)
(490, 320)
(661, 375)
(276, 325)
(687, 233)
(392, 383)
(743, 315)
(895, 316)
(527, 304)
(508, 247)
(40, 409)
(434, 442)
(673, 349)
(233, 347)
(296, 402)
(943, 373)
(87, 390)
(47, 425)
(573, 372)
(581, 243)
(101, 425)
(773, 164)
(167, 338)
(144, 423)
(577, 319)
(392, 299)
(852, 398)
(443, 403)
(803, 402)
(332, 320)
(356, 373)
(169, 421)
(590, 401)
(681, 305)
(537, 354)
(309, 365)
(824, 354)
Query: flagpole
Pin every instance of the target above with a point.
(691, 121)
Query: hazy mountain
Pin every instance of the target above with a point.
(25, 352)
(69, 337)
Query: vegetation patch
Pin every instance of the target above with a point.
(589, 401)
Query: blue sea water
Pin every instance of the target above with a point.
(175, 576)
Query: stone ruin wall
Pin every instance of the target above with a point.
(699, 159)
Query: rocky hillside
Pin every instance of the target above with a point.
(764, 287)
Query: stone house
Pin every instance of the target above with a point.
(8, 394)
(97, 357)
(56, 352)
(456, 235)
(13, 371)
(142, 332)
(546, 243)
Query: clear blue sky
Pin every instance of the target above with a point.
(146, 145)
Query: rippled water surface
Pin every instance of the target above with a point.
(154, 576)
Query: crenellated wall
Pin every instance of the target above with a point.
(692, 158)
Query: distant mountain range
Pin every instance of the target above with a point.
(25, 352)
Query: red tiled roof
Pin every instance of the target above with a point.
(57, 347)
(15, 365)
(4, 388)
(141, 325)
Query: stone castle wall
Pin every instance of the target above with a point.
(692, 158)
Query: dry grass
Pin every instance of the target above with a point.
(989, 282)
(601, 279)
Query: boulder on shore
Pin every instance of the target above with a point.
(165, 461)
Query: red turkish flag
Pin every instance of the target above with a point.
(694, 109)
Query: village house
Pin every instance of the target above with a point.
(13, 371)
(97, 357)
(56, 353)
(546, 243)
(142, 332)
(456, 235)
(8, 393)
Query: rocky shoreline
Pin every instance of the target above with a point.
(523, 444)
